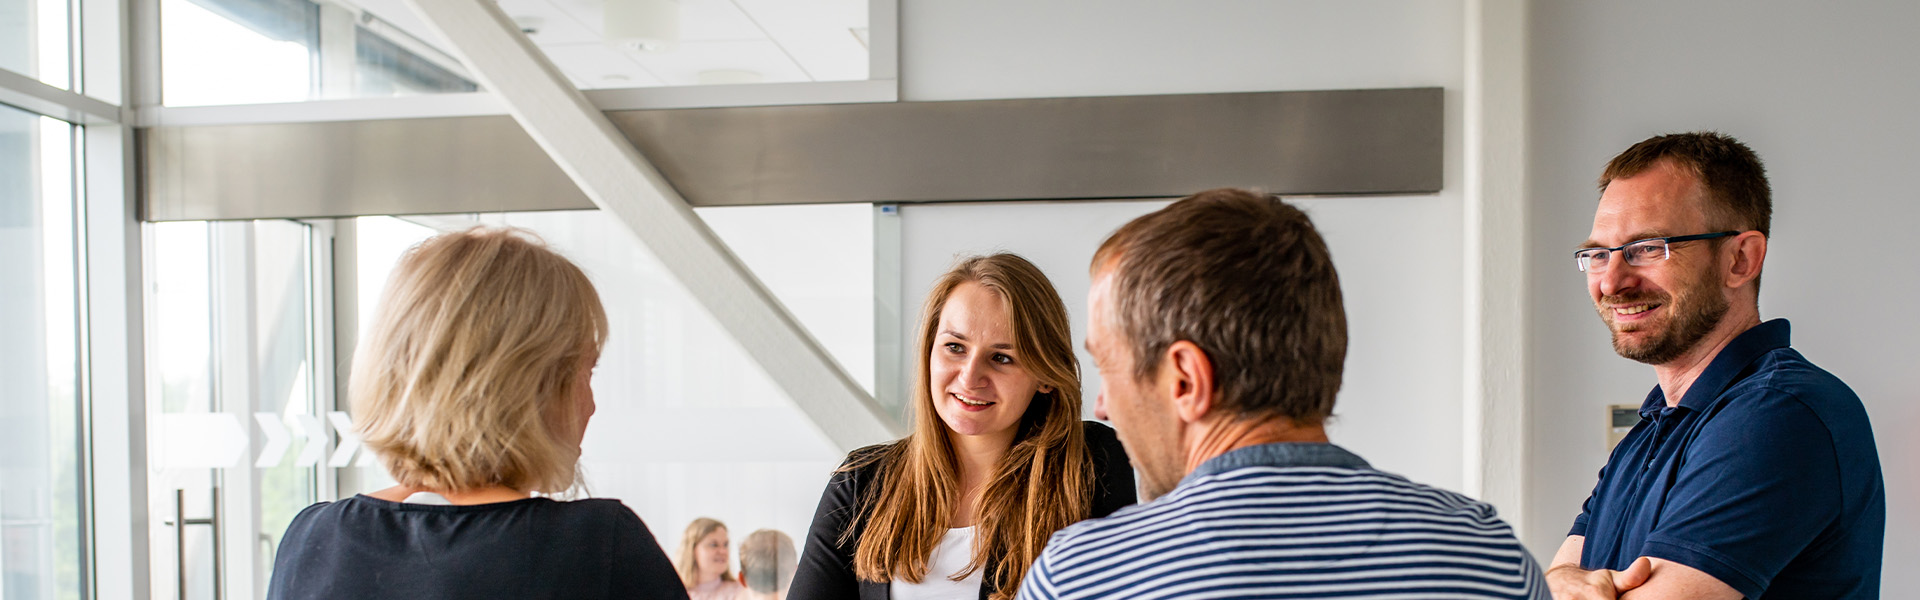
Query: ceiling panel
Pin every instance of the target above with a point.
(595, 65)
(713, 20)
(732, 41)
(699, 19)
(684, 66)
(819, 34)
(548, 23)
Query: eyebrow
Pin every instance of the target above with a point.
(956, 335)
(1644, 235)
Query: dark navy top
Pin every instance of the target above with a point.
(368, 548)
(1765, 477)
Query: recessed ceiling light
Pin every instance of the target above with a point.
(529, 24)
(643, 25)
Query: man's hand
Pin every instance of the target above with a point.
(1570, 582)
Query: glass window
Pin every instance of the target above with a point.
(41, 526)
(256, 51)
(208, 57)
(261, 51)
(35, 40)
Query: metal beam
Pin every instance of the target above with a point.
(1292, 143)
(311, 170)
(613, 174)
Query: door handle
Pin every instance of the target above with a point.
(180, 523)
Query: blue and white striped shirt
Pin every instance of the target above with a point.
(1290, 521)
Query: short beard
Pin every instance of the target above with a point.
(1686, 330)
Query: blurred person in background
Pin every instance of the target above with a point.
(472, 387)
(998, 460)
(767, 562)
(702, 562)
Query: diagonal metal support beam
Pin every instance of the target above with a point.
(621, 182)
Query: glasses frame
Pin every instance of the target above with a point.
(1580, 259)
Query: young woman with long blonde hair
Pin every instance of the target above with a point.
(999, 458)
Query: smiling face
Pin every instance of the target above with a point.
(1658, 311)
(976, 379)
(712, 554)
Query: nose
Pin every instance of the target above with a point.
(973, 373)
(1618, 276)
(1100, 406)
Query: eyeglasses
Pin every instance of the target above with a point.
(1639, 253)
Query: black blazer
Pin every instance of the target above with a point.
(826, 566)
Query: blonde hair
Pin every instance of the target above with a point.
(686, 562)
(1042, 484)
(467, 376)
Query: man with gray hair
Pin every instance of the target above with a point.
(1219, 333)
(767, 562)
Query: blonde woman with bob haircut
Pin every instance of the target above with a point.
(472, 386)
(998, 460)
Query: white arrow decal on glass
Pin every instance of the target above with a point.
(349, 442)
(277, 440)
(316, 434)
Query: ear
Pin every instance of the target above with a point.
(1186, 376)
(1045, 389)
(1749, 253)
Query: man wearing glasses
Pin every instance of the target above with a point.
(1753, 472)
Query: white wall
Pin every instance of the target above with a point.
(1397, 257)
(1827, 97)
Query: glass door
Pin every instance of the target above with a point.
(43, 483)
(238, 440)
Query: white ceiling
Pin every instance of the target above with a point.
(721, 41)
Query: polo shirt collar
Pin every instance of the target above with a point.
(1745, 348)
(1289, 454)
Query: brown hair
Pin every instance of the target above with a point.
(1245, 277)
(1730, 174)
(686, 561)
(1731, 177)
(1042, 484)
(467, 376)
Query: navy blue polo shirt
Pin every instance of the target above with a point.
(1765, 477)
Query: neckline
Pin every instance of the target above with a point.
(389, 504)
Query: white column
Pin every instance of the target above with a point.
(1495, 356)
(115, 376)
